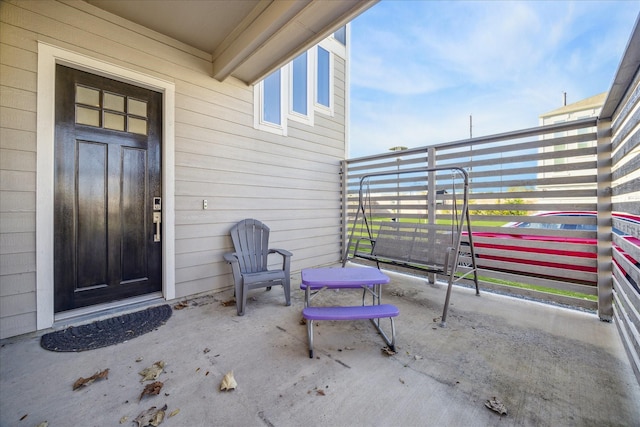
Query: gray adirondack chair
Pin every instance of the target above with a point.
(249, 262)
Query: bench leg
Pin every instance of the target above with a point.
(310, 337)
(391, 342)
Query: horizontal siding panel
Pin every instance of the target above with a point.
(264, 170)
(18, 58)
(18, 78)
(17, 325)
(16, 263)
(15, 243)
(12, 305)
(17, 181)
(17, 222)
(221, 192)
(17, 201)
(17, 98)
(257, 154)
(15, 36)
(18, 119)
(226, 177)
(17, 160)
(13, 284)
(13, 139)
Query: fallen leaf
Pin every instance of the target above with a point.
(495, 405)
(151, 389)
(151, 373)
(303, 321)
(181, 305)
(123, 419)
(228, 303)
(388, 351)
(151, 417)
(83, 382)
(174, 412)
(320, 392)
(228, 382)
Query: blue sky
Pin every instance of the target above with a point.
(419, 69)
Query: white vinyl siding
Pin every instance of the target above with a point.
(292, 183)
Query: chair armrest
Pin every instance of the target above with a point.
(231, 257)
(282, 252)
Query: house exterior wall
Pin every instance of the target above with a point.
(291, 182)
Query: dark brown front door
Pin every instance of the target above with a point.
(107, 190)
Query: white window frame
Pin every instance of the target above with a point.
(294, 115)
(258, 102)
(326, 45)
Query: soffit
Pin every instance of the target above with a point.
(247, 39)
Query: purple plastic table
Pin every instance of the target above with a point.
(337, 277)
(369, 279)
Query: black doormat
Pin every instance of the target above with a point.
(106, 332)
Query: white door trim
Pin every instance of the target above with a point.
(48, 57)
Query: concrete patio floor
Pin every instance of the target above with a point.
(549, 366)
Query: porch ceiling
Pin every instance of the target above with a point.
(246, 39)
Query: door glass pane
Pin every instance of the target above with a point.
(138, 126)
(87, 116)
(137, 108)
(87, 96)
(113, 102)
(113, 121)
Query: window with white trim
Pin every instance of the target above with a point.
(301, 88)
(268, 106)
(323, 78)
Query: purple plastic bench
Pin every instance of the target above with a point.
(372, 312)
(350, 312)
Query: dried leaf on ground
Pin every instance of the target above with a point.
(83, 382)
(228, 382)
(123, 419)
(181, 305)
(495, 405)
(174, 412)
(151, 389)
(388, 351)
(151, 417)
(151, 373)
(228, 303)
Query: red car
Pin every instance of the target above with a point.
(504, 247)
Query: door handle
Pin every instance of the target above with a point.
(157, 221)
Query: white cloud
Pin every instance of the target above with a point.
(419, 69)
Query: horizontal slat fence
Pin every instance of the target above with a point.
(625, 197)
(514, 177)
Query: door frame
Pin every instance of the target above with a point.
(48, 57)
